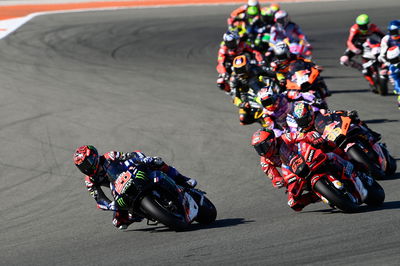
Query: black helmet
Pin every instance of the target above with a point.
(304, 116)
(86, 158)
(231, 39)
(282, 51)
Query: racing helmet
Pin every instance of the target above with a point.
(304, 115)
(393, 55)
(268, 98)
(282, 17)
(362, 21)
(275, 7)
(264, 142)
(282, 51)
(252, 3)
(267, 15)
(86, 158)
(394, 29)
(231, 39)
(252, 11)
(240, 65)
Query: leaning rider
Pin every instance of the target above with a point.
(95, 167)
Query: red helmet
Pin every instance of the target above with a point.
(264, 142)
(86, 158)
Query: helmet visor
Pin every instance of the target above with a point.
(283, 56)
(232, 44)
(394, 32)
(89, 165)
(263, 148)
(304, 122)
(363, 28)
(268, 101)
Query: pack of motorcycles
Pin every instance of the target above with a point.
(160, 200)
(357, 143)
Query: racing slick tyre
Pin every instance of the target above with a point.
(164, 214)
(376, 194)
(338, 198)
(359, 155)
(207, 212)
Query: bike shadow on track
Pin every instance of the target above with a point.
(390, 205)
(379, 121)
(159, 228)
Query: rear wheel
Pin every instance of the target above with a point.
(340, 199)
(164, 214)
(383, 86)
(359, 155)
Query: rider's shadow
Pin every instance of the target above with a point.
(159, 228)
(379, 121)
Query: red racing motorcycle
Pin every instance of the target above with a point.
(310, 168)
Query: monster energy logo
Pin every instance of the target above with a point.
(141, 175)
(121, 202)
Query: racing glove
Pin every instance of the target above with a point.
(155, 162)
(315, 139)
(278, 182)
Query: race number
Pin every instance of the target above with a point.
(123, 182)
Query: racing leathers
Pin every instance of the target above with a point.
(355, 44)
(336, 165)
(122, 218)
(239, 14)
(270, 166)
(225, 58)
(244, 92)
(291, 33)
(274, 117)
(394, 72)
(387, 42)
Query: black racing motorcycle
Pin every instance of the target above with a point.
(156, 197)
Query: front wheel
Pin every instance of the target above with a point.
(340, 199)
(163, 214)
(376, 194)
(207, 212)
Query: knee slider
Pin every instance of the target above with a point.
(344, 60)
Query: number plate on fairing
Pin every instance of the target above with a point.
(191, 207)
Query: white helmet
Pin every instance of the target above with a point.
(282, 51)
(252, 3)
(282, 17)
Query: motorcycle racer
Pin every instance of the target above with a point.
(393, 57)
(245, 85)
(392, 38)
(281, 61)
(95, 167)
(230, 47)
(359, 33)
(240, 13)
(270, 148)
(286, 30)
(276, 107)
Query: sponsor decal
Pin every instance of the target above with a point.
(310, 156)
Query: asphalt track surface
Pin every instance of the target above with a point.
(145, 79)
